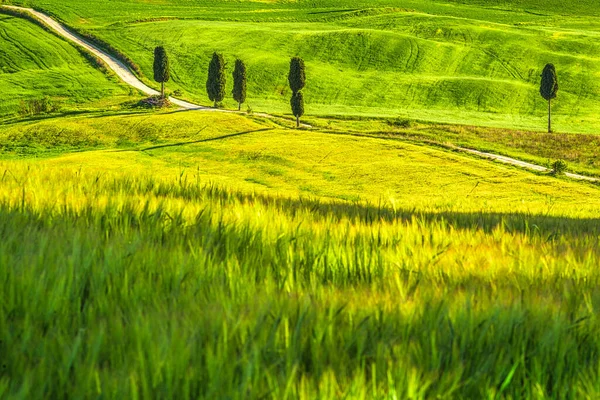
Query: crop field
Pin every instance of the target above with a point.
(236, 266)
(168, 254)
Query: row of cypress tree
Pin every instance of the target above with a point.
(215, 84)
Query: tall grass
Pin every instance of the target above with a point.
(139, 287)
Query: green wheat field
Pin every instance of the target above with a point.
(169, 254)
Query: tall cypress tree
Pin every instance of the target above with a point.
(549, 89)
(297, 75)
(162, 73)
(215, 85)
(297, 103)
(239, 83)
(297, 81)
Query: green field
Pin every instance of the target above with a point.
(439, 61)
(290, 264)
(185, 255)
(35, 63)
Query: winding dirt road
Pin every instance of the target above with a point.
(117, 66)
(128, 77)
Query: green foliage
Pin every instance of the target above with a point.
(162, 72)
(102, 44)
(161, 65)
(297, 104)
(400, 123)
(559, 167)
(297, 74)
(465, 63)
(31, 107)
(215, 84)
(549, 83)
(239, 83)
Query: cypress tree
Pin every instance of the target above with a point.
(215, 85)
(161, 68)
(297, 81)
(297, 75)
(549, 88)
(239, 83)
(297, 103)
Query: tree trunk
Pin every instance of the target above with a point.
(549, 118)
(162, 90)
(239, 106)
(215, 105)
(297, 122)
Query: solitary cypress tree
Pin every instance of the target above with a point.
(215, 85)
(239, 83)
(297, 80)
(297, 76)
(161, 68)
(297, 103)
(549, 88)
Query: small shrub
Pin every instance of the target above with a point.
(45, 105)
(400, 123)
(559, 167)
(178, 93)
(154, 102)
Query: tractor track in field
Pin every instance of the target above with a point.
(125, 74)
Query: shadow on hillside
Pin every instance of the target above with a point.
(71, 113)
(545, 225)
(179, 144)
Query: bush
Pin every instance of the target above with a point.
(559, 167)
(156, 101)
(400, 123)
(45, 105)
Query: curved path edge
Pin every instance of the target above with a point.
(113, 63)
(522, 164)
(125, 74)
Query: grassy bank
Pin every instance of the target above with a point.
(35, 64)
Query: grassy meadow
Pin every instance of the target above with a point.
(199, 255)
(35, 64)
(468, 62)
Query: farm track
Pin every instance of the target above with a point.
(124, 73)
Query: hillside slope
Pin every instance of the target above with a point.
(198, 255)
(35, 63)
(450, 62)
